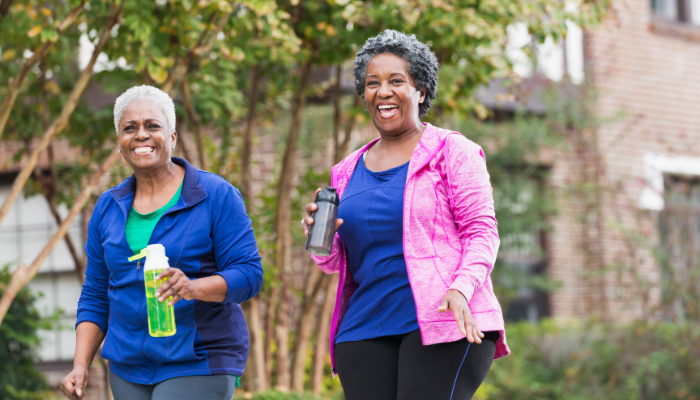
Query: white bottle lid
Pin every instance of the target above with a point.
(156, 258)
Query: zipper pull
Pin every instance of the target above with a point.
(143, 253)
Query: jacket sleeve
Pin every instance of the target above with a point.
(235, 250)
(471, 200)
(93, 305)
(330, 264)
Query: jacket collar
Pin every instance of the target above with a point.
(430, 144)
(192, 189)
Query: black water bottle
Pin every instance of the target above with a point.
(322, 231)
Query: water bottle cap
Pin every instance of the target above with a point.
(156, 258)
(328, 194)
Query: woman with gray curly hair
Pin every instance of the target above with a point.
(415, 316)
(200, 220)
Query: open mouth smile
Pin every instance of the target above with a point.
(143, 150)
(387, 110)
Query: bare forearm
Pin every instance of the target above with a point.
(212, 288)
(88, 340)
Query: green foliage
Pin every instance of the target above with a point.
(277, 37)
(642, 360)
(19, 378)
(275, 395)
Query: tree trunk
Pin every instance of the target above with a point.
(315, 283)
(248, 134)
(248, 378)
(196, 122)
(22, 275)
(349, 126)
(49, 188)
(182, 142)
(16, 83)
(270, 332)
(322, 330)
(63, 118)
(336, 113)
(257, 353)
(258, 356)
(282, 336)
(4, 8)
(283, 259)
(79, 266)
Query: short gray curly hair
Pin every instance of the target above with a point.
(422, 63)
(145, 92)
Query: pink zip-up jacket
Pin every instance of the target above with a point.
(450, 236)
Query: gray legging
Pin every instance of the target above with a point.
(214, 387)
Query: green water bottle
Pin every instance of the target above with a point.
(161, 316)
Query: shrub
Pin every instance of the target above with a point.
(643, 360)
(275, 395)
(19, 378)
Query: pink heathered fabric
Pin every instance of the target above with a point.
(450, 236)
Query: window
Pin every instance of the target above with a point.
(25, 231)
(522, 268)
(684, 11)
(680, 246)
(525, 266)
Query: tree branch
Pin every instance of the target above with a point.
(183, 64)
(16, 83)
(336, 112)
(196, 122)
(349, 126)
(48, 190)
(248, 134)
(4, 8)
(283, 259)
(22, 275)
(63, 118)
(322, 332)
(316, 281)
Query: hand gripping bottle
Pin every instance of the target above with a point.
(322, 231)
(161, 316)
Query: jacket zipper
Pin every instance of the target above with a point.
(143, 294)
(339, 292)
(408, 270)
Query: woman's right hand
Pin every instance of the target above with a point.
(309, 220)
(73, 385)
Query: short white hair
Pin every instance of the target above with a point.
(149, 93)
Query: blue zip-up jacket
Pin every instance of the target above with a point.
(206, 233)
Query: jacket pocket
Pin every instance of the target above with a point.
(179, 347)
(123, 341)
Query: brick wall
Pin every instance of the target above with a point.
(646, 75)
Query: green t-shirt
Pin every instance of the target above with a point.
(139, 227)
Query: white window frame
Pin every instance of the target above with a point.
(655, 166)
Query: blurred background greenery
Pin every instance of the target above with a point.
(265, 99)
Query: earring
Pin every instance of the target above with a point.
(173, 147)
(119, 149)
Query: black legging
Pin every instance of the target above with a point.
(400, 368)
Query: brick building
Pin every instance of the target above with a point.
(643, 65)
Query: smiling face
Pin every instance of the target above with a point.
(144, 136)
(391, 96)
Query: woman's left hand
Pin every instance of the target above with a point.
(178, 285)
(455, 302)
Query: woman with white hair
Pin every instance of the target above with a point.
(201, 221)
